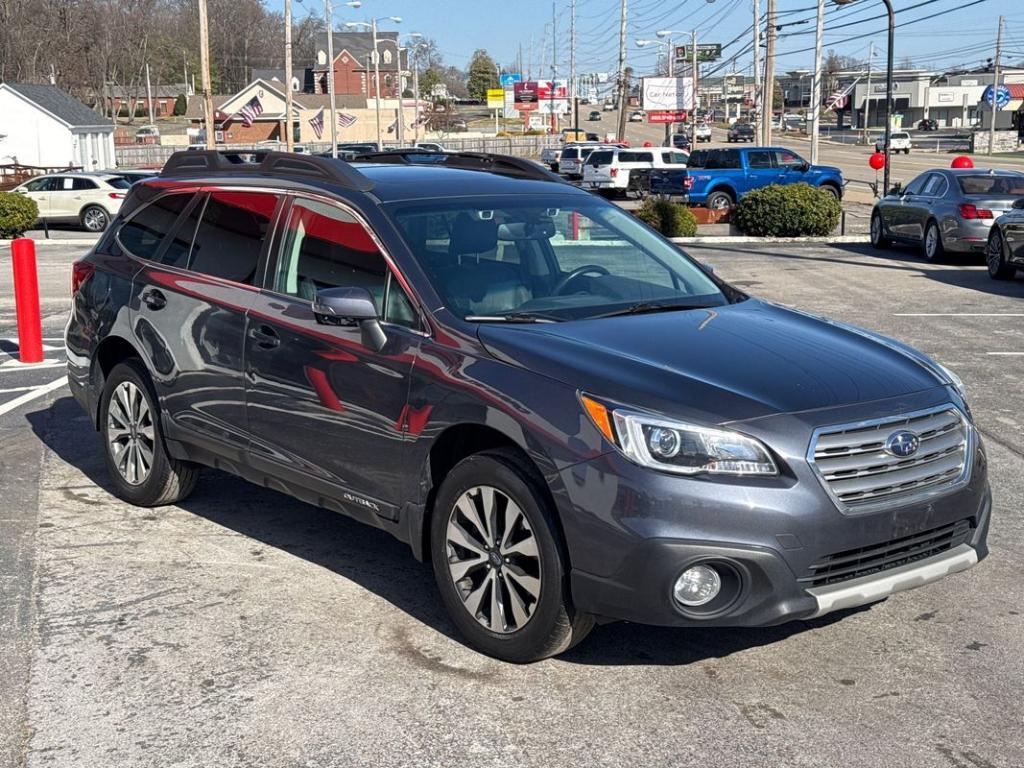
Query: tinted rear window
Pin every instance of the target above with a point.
(723, 159)
(991, 185)
(142, 235)
(599, 158)
(231, 235)
(697, 158)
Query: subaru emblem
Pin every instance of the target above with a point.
(902, 444)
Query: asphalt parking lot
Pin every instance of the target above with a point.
(247, 629)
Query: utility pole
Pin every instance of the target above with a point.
(758, 99)
(819, 33)
(573, 94)
(204, 64)
(696, 89)
(768, 97)
(184, 66)
(330, 77)
(149, 96)
(620, 133)
(289, 140)
(554, 67)
(671, 73)
(995, 86)
(376, 82)
(416, 95)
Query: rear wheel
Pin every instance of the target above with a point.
(995, 256)
(497, 561)
(142, 471)
(878, 238)
(932, 246)
(95, 218)
(719, 200)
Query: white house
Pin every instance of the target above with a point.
(41, 125)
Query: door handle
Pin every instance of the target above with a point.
(154, 298)
(265, 336)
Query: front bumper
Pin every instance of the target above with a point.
(632, 532)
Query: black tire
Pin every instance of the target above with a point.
(719, 200)
(168, 480)
(931, 245)
(833, 190)
(878, 238)
(95, 218)
(995, 258)
(554, 625)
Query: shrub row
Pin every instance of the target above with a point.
(791, 210)
(17, 215)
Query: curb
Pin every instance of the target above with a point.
(745, 239)
(55, 241)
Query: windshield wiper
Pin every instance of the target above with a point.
(514, 317)
(646, 308)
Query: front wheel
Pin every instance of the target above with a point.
(142, 471)
(995, 257)
(832, 190)
(95, 218)
(497, 561)
(878, 238)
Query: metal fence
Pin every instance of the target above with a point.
(154, 156)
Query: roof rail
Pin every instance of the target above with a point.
(504, 165)
(209, 162)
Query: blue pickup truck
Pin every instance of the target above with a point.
(717, 178)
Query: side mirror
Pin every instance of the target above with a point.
(709, 268)
(351, 306)
(896, 189)
(805, 167)
(1018, 204)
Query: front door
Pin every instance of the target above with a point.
(919, 206)
(38, 190)
(791, 167)
(326, 411)
(190, 315)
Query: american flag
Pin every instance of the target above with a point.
(317, 123)
(837, 100)
(346, 121)
(251, 111)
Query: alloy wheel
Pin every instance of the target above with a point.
(493, 559)
(130, 433)
(994, 253)
(876, 230)
(931, 243)
(95, 220)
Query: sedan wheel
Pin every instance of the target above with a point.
(878, 238)
(998, 269)
(933, 250)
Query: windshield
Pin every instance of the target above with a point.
(552, 258)
(991, 185)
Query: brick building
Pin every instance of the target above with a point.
(353, 67)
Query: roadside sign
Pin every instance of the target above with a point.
(705, 52)
(495, 98)
(1002, 96)
(525, 96)
(508, 79)
(667, 116)
(667, 93)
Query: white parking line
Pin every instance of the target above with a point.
(959, 314)
(1006, 354)
(30, 396)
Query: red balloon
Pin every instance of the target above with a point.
(963, 161)
(877, 161)
(648, 144)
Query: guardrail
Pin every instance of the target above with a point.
(154, 156)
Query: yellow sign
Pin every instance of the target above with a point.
(495, 98)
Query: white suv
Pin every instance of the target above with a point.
(574, 155)
(622, 171)
(91, 199)
(900, 142)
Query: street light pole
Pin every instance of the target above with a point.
(330, 78)
(375, 55)
(995, 86)
(819, 33)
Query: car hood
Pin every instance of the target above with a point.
(730, 363)
(827, 169)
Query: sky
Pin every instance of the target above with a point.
(934, 34)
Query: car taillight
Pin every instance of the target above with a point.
(613, 172)
(968, 211)
(80, 272)
(116, 195)
(688, 182)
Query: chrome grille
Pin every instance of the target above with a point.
(860, 474)
(863, 561)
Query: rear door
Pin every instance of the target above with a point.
(62, 194)
(761, 169)
(190, 304)
(327, 412)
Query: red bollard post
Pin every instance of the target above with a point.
(26, 300)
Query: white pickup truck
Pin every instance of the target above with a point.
(899, 142)
(621, 171)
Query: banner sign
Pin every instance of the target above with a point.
(705, 52)
(673, 116)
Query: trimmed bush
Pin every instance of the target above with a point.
(17, 215)
(671, 219)
(180, 105)
(791, 210)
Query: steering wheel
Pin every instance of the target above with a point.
(586, 269)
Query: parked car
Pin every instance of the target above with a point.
(623, 171)
(147, 131)
(702, 132)
(131, 175)
(636, 116)
(718, 178)
(1005, 252)
(740, 132)
(608, 106)
(569, 418)
(899, 141)
(550, 156)
(348, 150)
(928, 125)
(946, 210)
(680, 141)
(570, 164)
(594, 115)
(430, 146)
(90, 199)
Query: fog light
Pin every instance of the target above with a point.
(697, 585)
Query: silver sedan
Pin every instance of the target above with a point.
(1005, 254)
(946, 210)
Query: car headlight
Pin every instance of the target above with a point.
(954, 380)
(672, 446)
